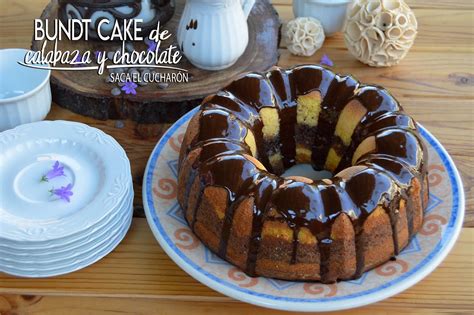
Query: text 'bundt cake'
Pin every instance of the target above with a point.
(294, 228)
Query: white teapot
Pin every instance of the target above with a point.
(213, 34)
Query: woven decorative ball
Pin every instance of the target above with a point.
(303, 36)
(380, 32)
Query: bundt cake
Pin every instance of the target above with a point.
(245, 136)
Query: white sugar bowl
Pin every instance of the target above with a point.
(25, 93)
(331, 13)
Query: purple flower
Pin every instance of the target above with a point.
(151, 44)
(78, 60)
(129, 88)
(97, 54)
(56, 171)
(325, 60)
(63, 193)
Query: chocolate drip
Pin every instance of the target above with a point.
(265, 186)
(336, 98)
(306, 80)
(295, 242)
(254, 242)
(325, 255)
(373, 125)
(307, 212)
(360, 244)
(259, 95)
(226, 228)
(394, 215)
(255, 91)
(287, 135)
(382, 179)
(216, 123)
(226, 101)
(215, 147)
(369, 189)
(282, 88)
(410, 215)
(331, 207)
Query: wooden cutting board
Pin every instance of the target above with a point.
(87, 93)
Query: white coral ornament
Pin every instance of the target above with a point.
(303, 36)
(380, 32)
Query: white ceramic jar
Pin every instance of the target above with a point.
(213, 34)
(331, 13)
(25, 93)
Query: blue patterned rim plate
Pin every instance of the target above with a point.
(441, 227)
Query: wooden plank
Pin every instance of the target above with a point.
(420, 75)
(59, 305)
(438, 30)
(139, 268)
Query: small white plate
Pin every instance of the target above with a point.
(71, 241)
(69, 258)
(88, 241)
(94, 163)
(75, 262)
(442, 224)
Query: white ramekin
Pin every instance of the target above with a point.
(33, 101)
(331, 13)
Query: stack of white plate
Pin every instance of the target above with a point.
(66, 197)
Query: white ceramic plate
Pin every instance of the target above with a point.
(87, 242)
(442, 224)
(75, 263)
(94, 162)
(70, 242)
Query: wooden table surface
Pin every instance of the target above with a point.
(435, 84)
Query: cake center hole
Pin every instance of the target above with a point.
(306, 170)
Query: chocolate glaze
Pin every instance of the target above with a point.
(382, 180)
(285, 97)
